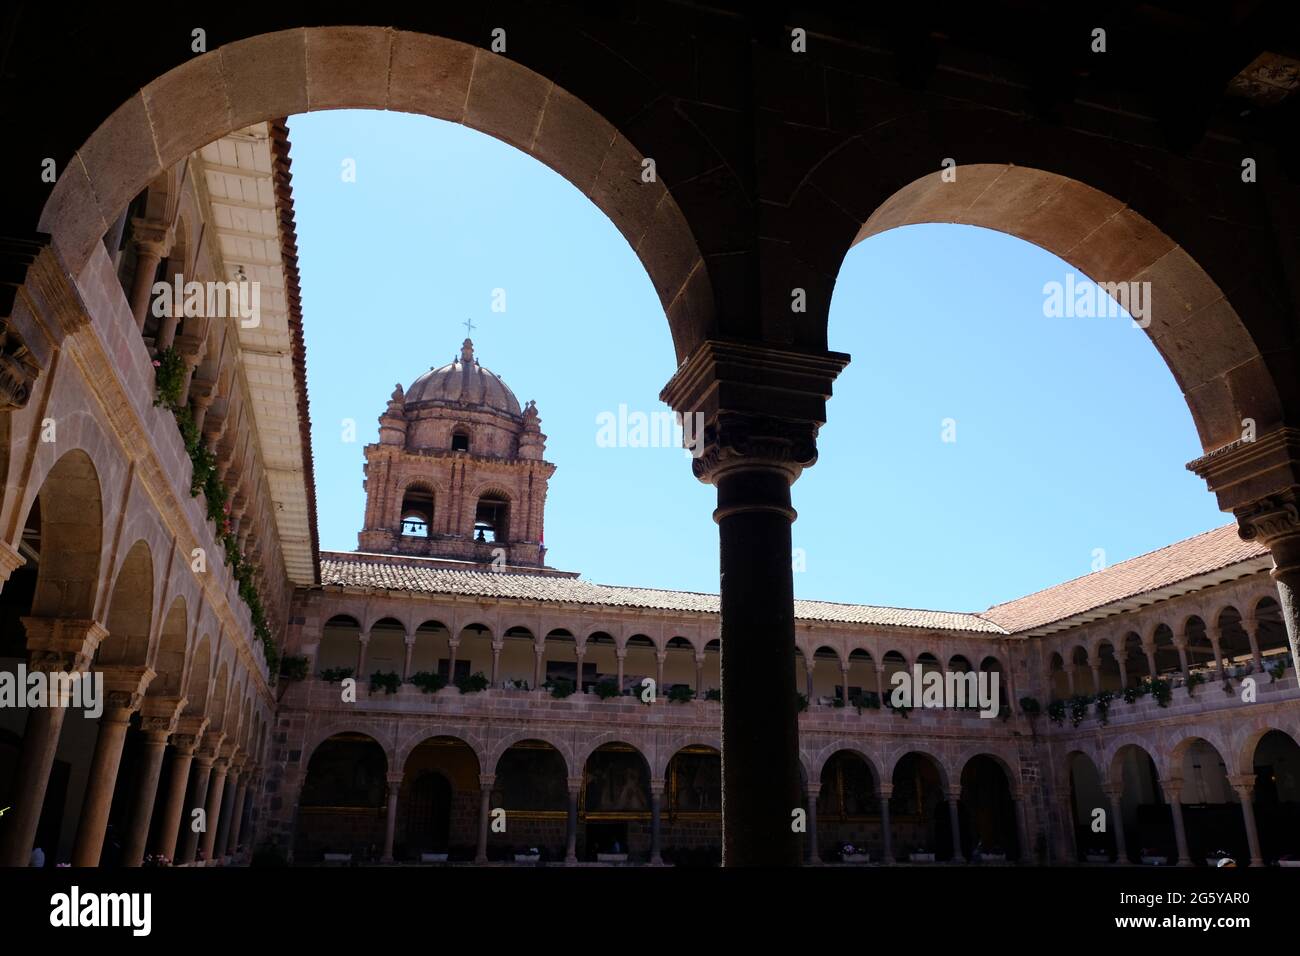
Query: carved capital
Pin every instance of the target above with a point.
(59, 644)
(160, 714)
(11, 559)
(152, 236)
(745, 405)
(185, 743)
(1271, 518)
(18, 369)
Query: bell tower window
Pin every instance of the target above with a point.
(460, 440)
(417, 513)
(491, 518)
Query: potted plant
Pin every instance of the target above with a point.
(388, 682)
(560, 688)
(681, 693)
(531, 855)
(430, 682)
(1153, 857)
(1275, 671)
(1056, 711)
(607, 688)
(1079, 708)
(293, 668)
(1194, 680)
(713, 693)
(1160, 690)
(1030, 707)
(334, 675)
(802, 700)
(1103, 700)
(474, 683)
(919, 854)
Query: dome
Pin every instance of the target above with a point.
(463, 382)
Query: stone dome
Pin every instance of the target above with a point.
(463, 382)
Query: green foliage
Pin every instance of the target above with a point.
(802, 701)
(1103, 700)
(1056, 711)
(293, 668)
(1030, 707)
(1079, 708)
(681, 693)
(867, 700)
(1275, 671)
(388, 682)
(561, 687)
(1160, 690)
(169, 378)
(429, 682)
(713, 693)
(334, 675)
(473, 683)
(1194, 681)
(606, 689)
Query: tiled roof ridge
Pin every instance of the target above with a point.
(1111, 569)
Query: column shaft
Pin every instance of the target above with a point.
(146, 791)
(99, 789)
(171, 821)
(216, 788)
(199, 793)
(484, 810)
(40, 742)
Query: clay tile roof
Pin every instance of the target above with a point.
(1191, 558)
(348, 571)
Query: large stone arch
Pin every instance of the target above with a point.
(273, 75)
(663, 755)
(171, 653)
(348, 726)
(890, 764)
(818, 763)
(403, 749)
(1111, 768)
(130, 609)
(72, 538)
(646, 748)
(498, 749)
(1219, 367)
(1009, 764)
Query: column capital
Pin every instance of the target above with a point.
(813, 789)
(158, 715)
(124, 688)
(153, 235)
(748, 405)
(574, 784)
(395, 777)
(60, 644)
(1112, 790)
(211, 744)
(886, 791)
(11, 559)
(486, 781)
(954, 792)
(1173, 789)
(1244, 784)
(656, 788)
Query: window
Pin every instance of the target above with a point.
(460, 440)
(491, 518)
(417, 513)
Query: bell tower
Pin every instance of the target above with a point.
(458, 472)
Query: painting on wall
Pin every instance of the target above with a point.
(618, 781)
(531, 778)
(696, 782)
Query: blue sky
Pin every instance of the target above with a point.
(1070, 433)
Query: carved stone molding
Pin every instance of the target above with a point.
(11, 560)
(59, 644)
(759, 406)
(18, 369)
(1277, 516)
(1246, 472)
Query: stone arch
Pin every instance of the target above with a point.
(349, 726)
(170, 654)
(662, 756)
(198, 684)
(498, 749)
(1218, 365)
(1111, 764)
(818, 763)
(1241, 758)
(358, 67)
(888, 766)
(648, 751)
(71, 523)
(219, 701)
(130, 610)
(402, 750)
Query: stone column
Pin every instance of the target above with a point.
(886, 833)
(844, 685)
(1096, 676)
(124, 690)
(659, 672)
(954, 795)
(1216, 636)
(496, 662)
(390, 815)
(656, 801)
(880, 683)
(237, 818)
(580, 651)
(1115, 792)
(189, 731)
(216, 790)
(755, 412)
(1149, 649)
(1174, 793)
(1069, 679)
(571, 834)
(699, 677)
(198, 795)
(1244, 785)
(409, 641)
(809, 665)
(621, 655)
(452, 648)
(152, 242)
(1180, 643)
(813, 790)
(539, 655)
(363, 642)
(1022, 830)
(55, 646)
(1123, 670)
(485, 782)
(156, 728)
(225, 823)
(1251, 627)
